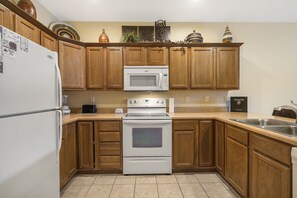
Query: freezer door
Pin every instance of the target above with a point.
(29, 77)
(29, 156)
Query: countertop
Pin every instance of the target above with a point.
(220, 116)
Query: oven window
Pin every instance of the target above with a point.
(148, 81)
(147, 137)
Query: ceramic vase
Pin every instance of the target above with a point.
(103, 38)
(28, 7)
(227, 37)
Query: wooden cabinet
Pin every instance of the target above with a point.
(220, 147)
(48, 41)
(206, 143)
(6, 18)
(114, 64)
(202, 68)
(68, 154)
(72, 65)
(108, 145)
(178, 67)
(237, 159)
(27, 29)
(95, 68)
(85, 145)
(137, 56)
(270, 168)
(227, 68)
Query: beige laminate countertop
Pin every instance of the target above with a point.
(220, 116)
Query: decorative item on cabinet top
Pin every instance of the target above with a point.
(28, 8)
(194, 37)
(103, 38)
(131, 37)
(227, 37)
(65, 30)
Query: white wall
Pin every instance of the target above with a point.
(268, 58)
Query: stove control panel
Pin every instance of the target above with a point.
(146, 102)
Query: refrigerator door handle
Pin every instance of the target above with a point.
(59, 82)
(60, 132)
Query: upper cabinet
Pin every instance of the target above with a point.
(104, 68)
(27, 29)
(146, 56)
(6, 17)
(72, 65)
(48, 41)
(227, 68)
(179, 69)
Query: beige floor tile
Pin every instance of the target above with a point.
(146, 180)
(193, 190)
(166, 179)
(83, 180)
(75, 191)
(122, 191)
(104, 180)
(186, 179)
(128, 180)
(146, 191)
(125, 176)
(169, 191)
(216, 190)
(102, 191)
(207, 177)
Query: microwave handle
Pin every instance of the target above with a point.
(160, 80)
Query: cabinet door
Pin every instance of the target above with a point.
(72, 65)
(178, 67)
(237, 166)
(202, 68)
(227, 68)
(114, 63)
(95, 68)
(6, 18)
(27, 29)
(85, 145)
(49, 42)
(270, 179)
(63, 176)
(220, 147)
(206, 146)
(157, 56)
(71, 154)
(183, 149)
(135, 56)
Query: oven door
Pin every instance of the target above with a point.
(147, 138)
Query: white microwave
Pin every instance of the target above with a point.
(146, 78)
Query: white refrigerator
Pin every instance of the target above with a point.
(30, 119)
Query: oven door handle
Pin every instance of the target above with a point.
(141, 122)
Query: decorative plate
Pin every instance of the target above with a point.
(65, 30)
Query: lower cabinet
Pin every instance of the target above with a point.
(193, 142)
(68, 154)
(220, 147)
(237, 159)
(85, 145)
(108, 147)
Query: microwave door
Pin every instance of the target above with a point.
(144, 82)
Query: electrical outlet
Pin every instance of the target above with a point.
(187, 99)
(206, 98)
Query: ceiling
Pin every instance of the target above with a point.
(174, 10)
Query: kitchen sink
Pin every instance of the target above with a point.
(278, 126)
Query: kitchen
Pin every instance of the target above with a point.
(267, 77)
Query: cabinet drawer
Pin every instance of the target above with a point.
(112, 148)
(237, 134)
(110, 162)
(272, 148)
(109, 126)
(184, 125)
(109, 136)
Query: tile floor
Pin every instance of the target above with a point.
(189, 185)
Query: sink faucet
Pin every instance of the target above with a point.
(288, 108)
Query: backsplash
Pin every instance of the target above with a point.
(194, 101)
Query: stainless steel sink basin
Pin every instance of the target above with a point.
(278, 126)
